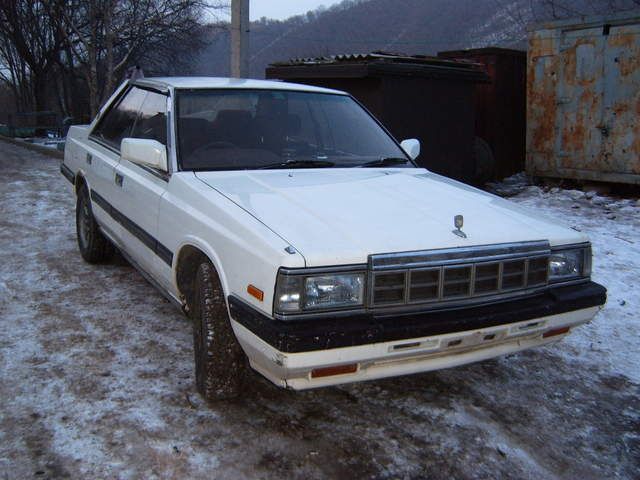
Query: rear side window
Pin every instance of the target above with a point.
(118, 122)
(152, 119)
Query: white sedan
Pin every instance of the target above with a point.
(299, 235)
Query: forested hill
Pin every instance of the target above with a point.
(407, 26)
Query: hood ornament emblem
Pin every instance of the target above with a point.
(458, 222)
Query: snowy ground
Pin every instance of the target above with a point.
(55, 143)
(96, 376)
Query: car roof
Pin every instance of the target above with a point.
(230, 83)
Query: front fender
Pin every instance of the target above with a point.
(205, 248)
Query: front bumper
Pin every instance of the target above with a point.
(381, 346)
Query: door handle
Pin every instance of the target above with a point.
(119, 179)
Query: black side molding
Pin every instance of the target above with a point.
(366, 328)
(67, 173)
(150, 241)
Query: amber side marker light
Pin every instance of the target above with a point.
(557, 331)
(337, 370)
(255, 292)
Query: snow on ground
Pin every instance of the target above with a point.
(96, 376)
(613, 338)
(56, 143)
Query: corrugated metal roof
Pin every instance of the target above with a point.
(497, 51)
(376, 57)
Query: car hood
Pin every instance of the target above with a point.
(340, 216)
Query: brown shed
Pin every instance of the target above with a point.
(427, 98)
(500, 105)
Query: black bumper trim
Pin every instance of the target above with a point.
(362, 329)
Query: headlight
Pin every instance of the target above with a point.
(570, 263)
(302, 293)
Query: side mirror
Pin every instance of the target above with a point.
(411, 147)
(149, 153)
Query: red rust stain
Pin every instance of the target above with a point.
(540, 46)
(574, 135)
(543, 112)
(541, 96)
(580, 79)
(570, 66)
(629, 63)
(621, 40)
(620, 108)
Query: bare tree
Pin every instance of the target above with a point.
(30, 45)
(106, 36)
(14, 74)
(51, 50)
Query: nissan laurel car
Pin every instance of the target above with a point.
(305, 243)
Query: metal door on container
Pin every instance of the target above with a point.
(141, 189)
(580, 101)
(599, 100)
(103, 155)
(621, 99)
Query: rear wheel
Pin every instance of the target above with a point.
(221, 365)
(94, 246)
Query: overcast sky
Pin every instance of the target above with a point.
(281, 9)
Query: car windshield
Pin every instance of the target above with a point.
(261, 129)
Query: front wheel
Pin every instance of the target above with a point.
(220, 363)
(94, 246)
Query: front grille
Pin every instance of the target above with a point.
(455, 274)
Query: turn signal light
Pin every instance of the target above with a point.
(336, 370)
(556, 331)
(255, 292)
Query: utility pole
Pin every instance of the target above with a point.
(240, 38)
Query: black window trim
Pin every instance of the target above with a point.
(157, 173)
(115, 103)
(141, 83)
(176, 109)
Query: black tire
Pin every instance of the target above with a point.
(221, 365)
(94, 247)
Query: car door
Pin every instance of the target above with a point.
(103, 155)
(140, 190)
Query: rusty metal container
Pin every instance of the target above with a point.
(421, 97)
(500, 105)
(583, 99)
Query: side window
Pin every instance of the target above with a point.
(118, 122)
(152, 119)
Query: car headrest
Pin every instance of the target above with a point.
(234, 117)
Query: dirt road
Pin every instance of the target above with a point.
(96, 378)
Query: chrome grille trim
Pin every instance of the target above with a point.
(446, 256)
(460, 273)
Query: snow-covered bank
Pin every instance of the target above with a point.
(613, 338)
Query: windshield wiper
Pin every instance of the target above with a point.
(299, 163)
(384, 162)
